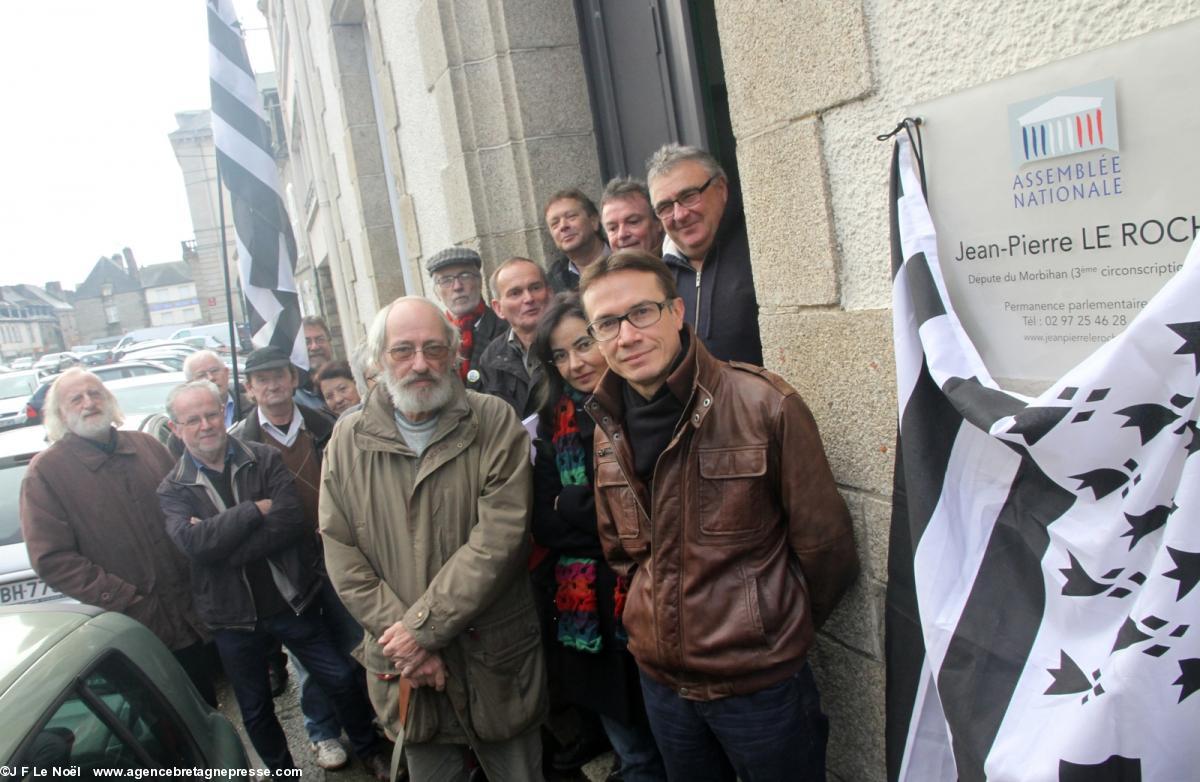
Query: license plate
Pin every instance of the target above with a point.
(31, 590)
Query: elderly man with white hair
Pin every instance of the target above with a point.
(207, 365)
(424, 511)
(93, 528)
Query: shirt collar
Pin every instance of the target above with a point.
(286, 437)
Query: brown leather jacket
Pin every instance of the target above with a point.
(744, 544)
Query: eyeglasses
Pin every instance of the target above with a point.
(320, 339)
(446, 280)
(207, 374)
(212, 418)
(688, 199)
(432, 351)
(640, 316)
(582, 346)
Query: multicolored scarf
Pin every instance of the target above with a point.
(575, 598)
(466, 327)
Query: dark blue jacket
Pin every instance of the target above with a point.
(227, 539)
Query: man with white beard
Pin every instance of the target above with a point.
(424, 511)
(93, 528)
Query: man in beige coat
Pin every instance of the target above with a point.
(424, 510)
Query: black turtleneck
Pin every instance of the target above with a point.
(651, 423)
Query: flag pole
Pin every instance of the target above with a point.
(233, 326)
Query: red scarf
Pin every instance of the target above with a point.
(466, 327)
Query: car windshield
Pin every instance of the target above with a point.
(144, 399)
(17, 385)
(10, 489)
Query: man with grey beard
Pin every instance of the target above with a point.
(424, 511)
(93, 528)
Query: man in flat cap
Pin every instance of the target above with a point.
(458, 279)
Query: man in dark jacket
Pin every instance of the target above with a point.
(574, 225)
(93, 528)
(233, 510)
(715, 499)
(510, 370)
(299, 434)
(710, 257)
(458, 278)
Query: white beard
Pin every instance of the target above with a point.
(93, 428)
(419, 402)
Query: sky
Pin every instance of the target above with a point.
(89, 94)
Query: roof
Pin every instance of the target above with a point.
(26, 634)
(176, 273)
(106, 271)
(44, 296)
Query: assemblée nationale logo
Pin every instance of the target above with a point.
(1078, 123)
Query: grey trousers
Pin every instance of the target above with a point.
(517, 760)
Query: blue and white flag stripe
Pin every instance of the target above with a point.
(265, 244)
(1041, 604)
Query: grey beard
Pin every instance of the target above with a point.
(415, 403)
(94, 429)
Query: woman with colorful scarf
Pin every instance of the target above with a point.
(588, 659)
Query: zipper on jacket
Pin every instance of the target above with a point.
(699, 298)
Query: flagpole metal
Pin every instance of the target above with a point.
(233, 326)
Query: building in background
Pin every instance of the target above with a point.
(34, 321)
(110, 301)
(170, 294)
(414, 125)
(194, 151)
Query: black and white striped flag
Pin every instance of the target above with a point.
(1043, 615)
(266, 246)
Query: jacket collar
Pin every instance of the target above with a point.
(187, 472)
(375, 429)
(315, 421)
(693, 382)
(92, 457)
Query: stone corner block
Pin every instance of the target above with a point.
(787, 60)
(789, 218)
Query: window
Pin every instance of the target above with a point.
(111, 719)
(110, 315)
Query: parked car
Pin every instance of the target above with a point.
(84, 690)
(18, 582)
(57, 362)
(95, 358)
(122, 369)
(15, 389)
(143, 396)
(24, 362)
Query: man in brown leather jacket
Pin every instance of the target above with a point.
(715, 500)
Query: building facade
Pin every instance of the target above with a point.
(418, 124)
(110, 301)
(170, 294)
(34, 322)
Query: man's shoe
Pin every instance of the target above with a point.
(578, 752)
(379, 766)
(330, 754)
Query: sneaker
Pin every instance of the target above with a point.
(330, 754)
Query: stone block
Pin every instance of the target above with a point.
(410, 227)
(557, 162)
(460, 212)
(874, 532)
(497, 248)
(551, 91)
(473, 30)
(788, 217)
(456, 133)
(349, 49)
(385, 265)
(357, 105)
(484, 99)
(530, 24)
(852, 690)
(373, 196)
(842, 364)
(857, 621)
(785, 60)
(500, 198)
(431, 42)
(362, 142)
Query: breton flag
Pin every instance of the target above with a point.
(265, 244)
(1043, 609)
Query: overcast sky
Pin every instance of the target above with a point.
(89, 93)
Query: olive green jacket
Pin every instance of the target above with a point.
(441, 543)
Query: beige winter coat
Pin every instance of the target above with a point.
(440, 542)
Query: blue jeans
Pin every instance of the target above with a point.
(320, 718)
(635, 749)
(243, 655)
(774, 734)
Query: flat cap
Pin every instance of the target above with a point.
(452, 256)
(270, 357)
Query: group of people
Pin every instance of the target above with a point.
(647, 576)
